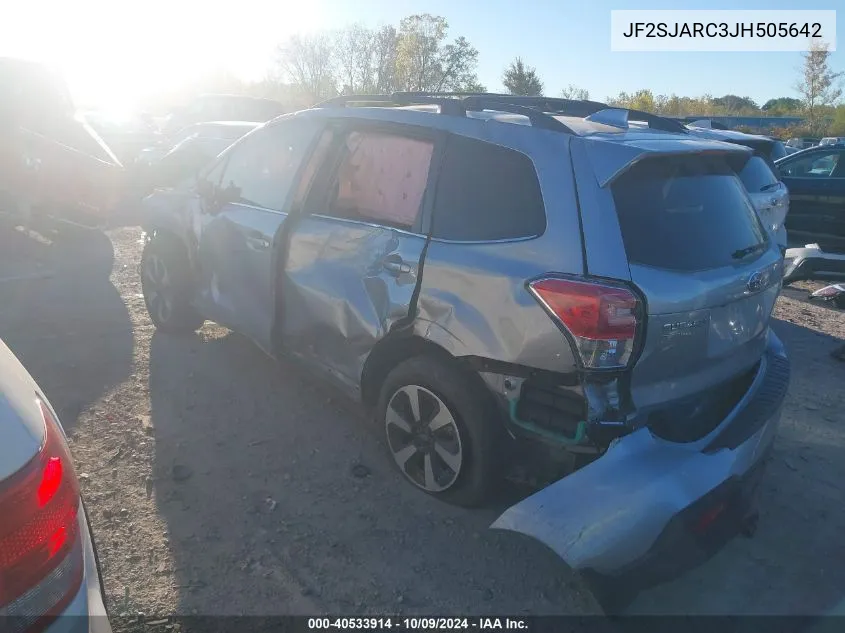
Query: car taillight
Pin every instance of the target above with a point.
(41, 563)
(604, 320)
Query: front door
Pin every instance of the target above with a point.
(239, 227)
(353, 260)
(816, 184)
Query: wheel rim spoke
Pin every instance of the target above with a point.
(402, 456)
(430, 481)
(413, 393)
(452, 460)
(443, 418)
(394, 418)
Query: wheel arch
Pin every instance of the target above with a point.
(402, 345)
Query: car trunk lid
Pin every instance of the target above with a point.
(709, 275)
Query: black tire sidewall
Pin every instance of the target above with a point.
(183, 317)
(472, 410)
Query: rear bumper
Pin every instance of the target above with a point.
(646, 495)
(812, 263)
(87, 612)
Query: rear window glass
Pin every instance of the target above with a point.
(757, 176)
(487, 192)
(686, 214)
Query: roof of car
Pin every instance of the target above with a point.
(427, 115)
(727, 134)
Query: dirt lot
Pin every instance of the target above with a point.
(221, 482)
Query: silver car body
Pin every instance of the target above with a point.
(771, 200)
(21, 436)
(351, 297)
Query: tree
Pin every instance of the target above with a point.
(837, 128)
(385, 43)
(424, 62)
(354, 51)
(818, 85)
(306, 61)
(732, 103)
(781, 106)
(641, 100)
(574, 92)
(520, 79)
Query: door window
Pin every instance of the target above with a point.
(487, 192)
(261, 170)
(817, 165)
(381, 178)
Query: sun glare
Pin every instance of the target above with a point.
(114, 53)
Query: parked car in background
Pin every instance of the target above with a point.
(832, 140)
(759, 175)
(815, 178)
(221, 107)
(48, 562)
(609, 292)
(220, 130)
(52, 162)
(802, 142)
(197, 145)
(126, 134)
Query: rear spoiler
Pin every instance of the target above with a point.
(611, 159)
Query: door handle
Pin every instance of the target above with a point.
(395, 266)
(257, 242)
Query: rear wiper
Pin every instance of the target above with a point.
(774, 185)
(748, 250)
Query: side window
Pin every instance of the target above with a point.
(261, 170)
(381, 177)
(487, 192)
(817, 165)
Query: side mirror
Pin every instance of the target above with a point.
(205, 189)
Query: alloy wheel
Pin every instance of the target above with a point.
(423, 438)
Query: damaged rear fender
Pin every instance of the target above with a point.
(606, 516)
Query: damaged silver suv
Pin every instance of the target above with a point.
(480, 268)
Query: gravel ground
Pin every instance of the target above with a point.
(222, 482)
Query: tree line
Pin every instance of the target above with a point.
(418, 54)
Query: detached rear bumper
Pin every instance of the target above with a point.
(647, 495)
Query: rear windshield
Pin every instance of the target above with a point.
(685, 214)
(757, 176)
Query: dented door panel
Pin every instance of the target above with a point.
(607, 515)
(345, 284)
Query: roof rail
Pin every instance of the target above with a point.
(454, 104)
(541, 111)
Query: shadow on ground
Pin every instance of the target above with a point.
(61, 315)
(279, 498)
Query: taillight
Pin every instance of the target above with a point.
(604, 320)
(41, 562)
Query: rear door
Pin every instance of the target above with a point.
(353, 258)
(709, 273)
(816, 184)
(239, 229)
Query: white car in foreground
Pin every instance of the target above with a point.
(49, 575)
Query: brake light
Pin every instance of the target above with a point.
(604, 320)
(41, 562)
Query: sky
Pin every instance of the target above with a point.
(115, 52)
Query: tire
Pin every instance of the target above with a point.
(167, 288)
(469, 430)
